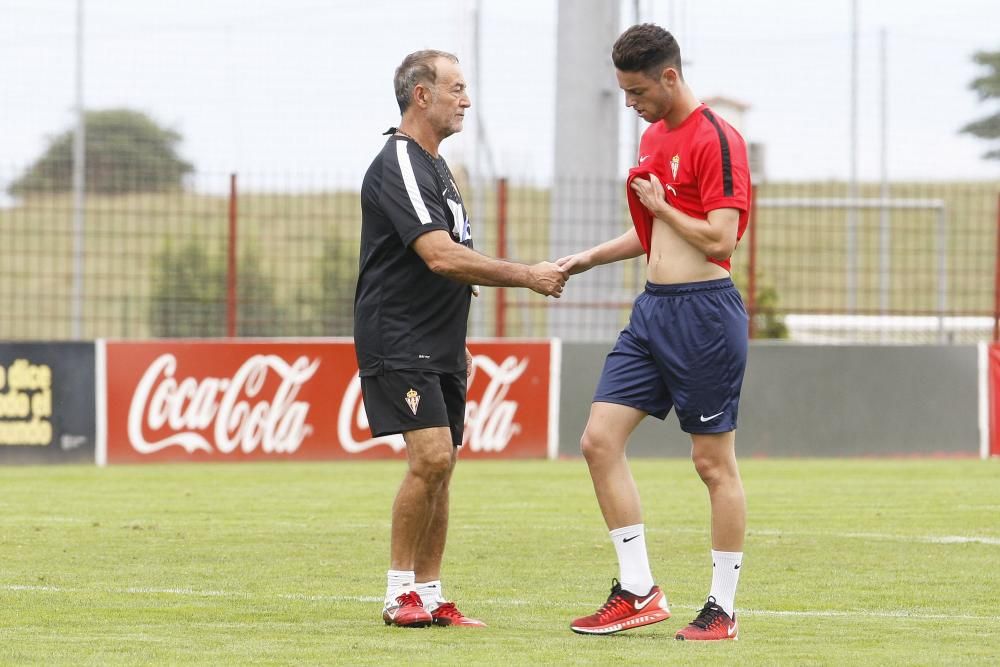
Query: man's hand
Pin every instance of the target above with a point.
(577, 262)
(548, 278)
(651, 195)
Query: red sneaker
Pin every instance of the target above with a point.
(408, 612)
(448, 614)
(624, 611)
(712, 624)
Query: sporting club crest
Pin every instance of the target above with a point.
(413, 399)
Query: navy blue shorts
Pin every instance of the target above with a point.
(685, 346)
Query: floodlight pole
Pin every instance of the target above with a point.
(79, 158)
(885, 231)
(852, 186)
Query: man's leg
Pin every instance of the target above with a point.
(430, 458)
(427, 562)
(714, 457)
(634, 601)
(430, 548)
(429, 453)
(603, 446)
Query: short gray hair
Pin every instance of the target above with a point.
(418, 67)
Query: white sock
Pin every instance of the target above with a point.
(725, 575)
(633, 563)
(430, 593)
(397, 582)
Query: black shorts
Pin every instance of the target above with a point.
(407, 400)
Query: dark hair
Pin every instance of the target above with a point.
(646, 48)
(418, 67)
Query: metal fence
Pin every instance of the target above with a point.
(258, 256)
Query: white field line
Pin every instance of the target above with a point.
(371, 599)
(771, 532)
(765, 532)
(922, 539)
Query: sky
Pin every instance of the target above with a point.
(299, 91)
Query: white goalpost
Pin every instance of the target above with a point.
(885, 205)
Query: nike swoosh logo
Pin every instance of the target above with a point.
(629, 539)
(708, 419)
(642, 158)
(731, 630)
(642, 605)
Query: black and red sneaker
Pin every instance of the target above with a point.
(448, 614)
(712, 624)
(407, 612)
(623, 611)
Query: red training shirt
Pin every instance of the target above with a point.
(702, 164)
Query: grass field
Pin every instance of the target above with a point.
(848, 562)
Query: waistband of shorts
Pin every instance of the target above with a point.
(658, 289)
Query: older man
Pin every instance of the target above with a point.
(417, 274)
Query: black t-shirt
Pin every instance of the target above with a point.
(405, 315)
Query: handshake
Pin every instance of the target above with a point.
(549, 278)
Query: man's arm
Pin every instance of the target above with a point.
(625, 246)
(454, 260)
(716, 237)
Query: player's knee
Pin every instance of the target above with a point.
(433, 467)
(593, 447)
(710, 469)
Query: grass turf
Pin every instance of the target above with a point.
(848, 562)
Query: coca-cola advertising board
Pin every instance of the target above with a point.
(172, 400)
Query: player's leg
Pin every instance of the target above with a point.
(603, 447)
(635, 600)
(430, 550)
(714, 458)
(629, 388)
(411, 403)
(706, 385)
(429, 454)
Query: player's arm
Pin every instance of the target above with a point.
(625, 246)
(716, 236)
(447, 258)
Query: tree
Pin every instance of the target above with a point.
(189, 295)
(987, 87)
(126, 151)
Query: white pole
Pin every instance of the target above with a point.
(79, 158)
(885, 231)
(483, 161)
(942, 252)
(636, 130)
(852, 189)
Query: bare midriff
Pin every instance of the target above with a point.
(673, 260)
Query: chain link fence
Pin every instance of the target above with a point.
(260, 255)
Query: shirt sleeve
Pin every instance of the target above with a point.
(723, 169)
(409, 194)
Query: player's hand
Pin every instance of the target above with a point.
(651, 194)
(548, 278)
(576, 263)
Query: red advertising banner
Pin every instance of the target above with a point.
(173, 400)
(993, 393)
